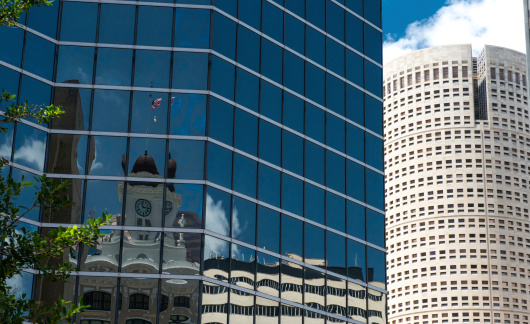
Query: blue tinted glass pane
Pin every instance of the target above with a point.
(315, 122)
(315, 83)
(143, 118)
(79, 21)
(116, 31)
(294, 73)
(192, 28)
(292, 237)
(374, 114)
(355, 180)
(269, 185)
(75, 63)
(188, 114)
(335, 20)
(224, 36)
(247, 92)
(373, 43)
(244, 221)
(268, 229)
(356, 260)
(271, 101)
(38, 56)
(26, 198)
(246, 132)
(335, 57)
(272, 21)
(154, 26)
(355, 220)
(245, 175)
(44, 19)
(336, 253)
(271, 61)
(250, 12)
(223, 78)
(354, 68)
(355, 142)
(335, 132)
(221, 121)
(315, 12)
(6, 145)
(30, 147)
(355, 5)
(335, 97)
(190, 71)
(189, 156)
(314, 203)
(269, 142)
(294, 33)
(296, 6)
(374, 156)
(218, 211)
(248, 48)
(293, 112)
(375, 228)
(292, 194)
(315, 46)
(192, 202)
(335, 171)
(35, 92)
(219, 165)
(375, 195)
(376, 266)
(373, 78)
(11, 54)
(152, 69)
(314, 162)
(114, 66)
(293, 153)
(314, 243)
(355, 105)
(372, 11)
(9, 81)
(354, 32)
(228, 6)
(335, 211)
(111, 111)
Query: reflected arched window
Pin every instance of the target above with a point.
(181, 301)
(164, 301)
(139, 301)
(98, 300)
(137, 321)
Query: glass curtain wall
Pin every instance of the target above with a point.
(237, 144)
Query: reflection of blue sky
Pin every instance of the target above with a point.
(108, 155)
(30, 147)
(9, 80)
(191, 196)
(6, 142)
(152, 68)
(75, 63)
(101, 196)
(21, 284)
(13, 53)
(143, 113)
(38, 56)
(192, 28)
(214, 247)
(188, 115)
(35, 92)
(27, 197)
(114, 66)
(189, 156)
(110, 111)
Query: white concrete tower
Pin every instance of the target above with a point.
(457, 165)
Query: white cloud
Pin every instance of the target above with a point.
(476, 22)
(217, 219)
(33, 152)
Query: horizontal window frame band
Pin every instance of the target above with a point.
(213, 281)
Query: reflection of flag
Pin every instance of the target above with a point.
(156, 102)
(172, 98)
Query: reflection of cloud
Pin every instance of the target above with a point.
(32, 152)
(217, 220)
(5, 147)
(214, 248)
(96, 164)
(83, 77)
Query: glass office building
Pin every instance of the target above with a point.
(237, 144)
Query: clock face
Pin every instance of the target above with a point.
(142, 207)
(169, 207)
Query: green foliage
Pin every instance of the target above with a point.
(10, 10)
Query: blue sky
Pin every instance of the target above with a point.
(409, 25)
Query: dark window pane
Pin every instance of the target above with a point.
(117, 31)
(271, 101)
(293, 112)
(78, 23)
(245, 175)
(219, 165)
(373, 43)
(224, 36)
(188, 114)
(44, 19)
(293, 153)
(11, 54)
(374, 156)
(250, 12)
(292, 194)
(221, 121)
(373, 78)
(335, 57)
(335, 212)
(356, 260)
(292, 237)
(315, 12)
(335, 132)
(269, 142)
(294, 73)
(335, 172)
(372, 11)
(190, 71)
(152, 69)
(75, 63)
(114, 66)
(244, 221)
(111, 110)
(355, 220)
(269, 185)
(30, 148)
(192, 204)
(271, 61)
(355, 180)
(375, 228)
(272, 21)
(376, 267)
(38, 56)
(248, 48)
(294, 32)
(9, 81)
(354, 68)
(268, 229)
(247, 92)
(296, 6)
(35, 92)
(355, 142)
(335, 96)
(315, 83)
(108, 156)
(355, 105)
(355, 5)
(218, 211)
(189, 156)
(154, 26)
(314, 203)
(314, 245)
(223, 78)
(246, 132)
(336, 253)
(102, 196)
(228, 6)
(354, 31)
(375, 193)
(314, 162)
(374, 114)
(315, 46)
(192, 28)
(315, 119)
(335, 20)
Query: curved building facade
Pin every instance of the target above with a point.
(237, 144)
(457, 158)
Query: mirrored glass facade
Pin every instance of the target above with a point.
(237, 144)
